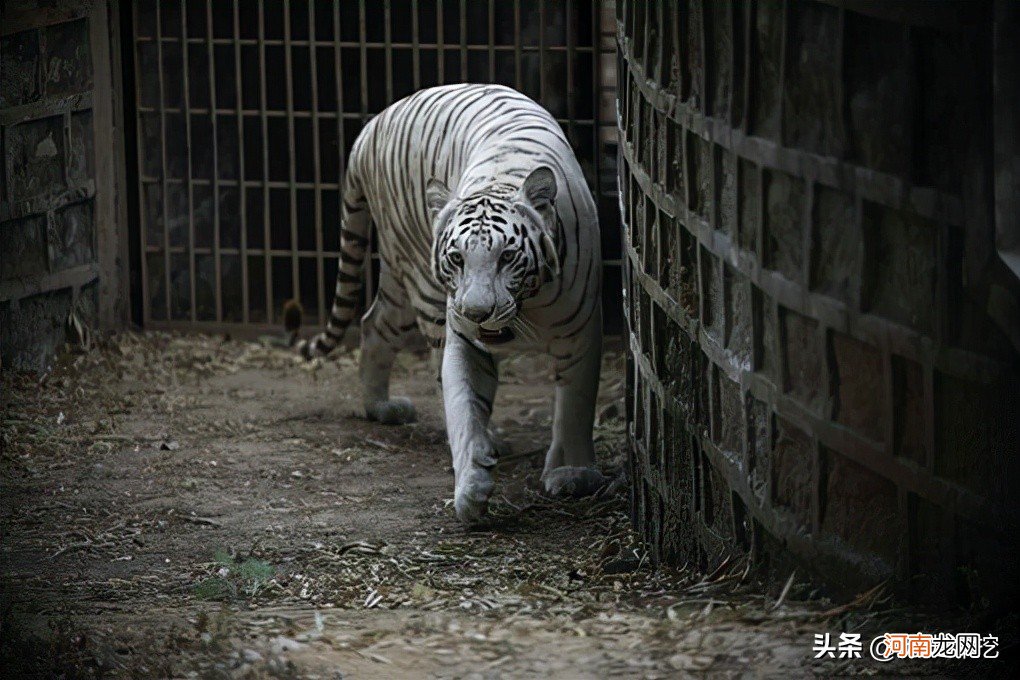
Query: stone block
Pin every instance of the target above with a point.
(34, 158)
(860, 507)
(900, 266)
(725, 166)
(732, 424)
(71, 237)
(766, 67)
(23, 248)
(766, 334)
(976, 431)
(713, 300)
(32, 329)
(19, 69)
(877, 76)
(803, 360)
(785, 198)
(759, 448)
(837, 247)
(699, 176)
(813, 96)
(718, 514)
(858, 383)
(737, 289)
(793, 462)
(910, 430)
(719, 56)
(692, 62)
(68, 68)
(749, 198)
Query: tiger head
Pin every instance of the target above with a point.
(493, 249)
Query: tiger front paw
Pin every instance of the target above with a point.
(575, 482)
(395, 411)
(471, 498)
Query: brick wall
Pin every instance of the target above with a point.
(820, 374)
(52, 102)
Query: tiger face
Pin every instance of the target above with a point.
(493, 250)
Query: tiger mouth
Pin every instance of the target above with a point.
(495, 337)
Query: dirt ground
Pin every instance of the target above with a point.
(194, 506)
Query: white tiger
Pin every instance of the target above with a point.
(489, 242)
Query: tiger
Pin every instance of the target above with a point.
(489, 244)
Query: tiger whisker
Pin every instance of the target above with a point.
(525, 328)
(505, 313)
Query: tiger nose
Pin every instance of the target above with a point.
(476, 313)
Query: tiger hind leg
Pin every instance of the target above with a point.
(385, 330)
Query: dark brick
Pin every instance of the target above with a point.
(859, 386)
(19, 69)
(951, 79)
(877, 76)
(648, 134)
(900, 265)
(718, 507)
(766, 334)
(661, 148)
(33, 329)
(650, 241)
(637, 225)
(759, 448)
(687, 294)
(837, 247)
(693, 62)
(675, 159)
(802, 359)
(699, 175)
(976, 431)
(910, 431)
(68, 59)
(726, 191)
(737, 289)
(713, 301)
(35, 152)
(930, 551)
(719, 49)
(23, 246)
(813, 102)
(71, 237)
(860, 507)
(792, 472)
(749, 192)
(679, 541)
(653, 443)
(766, 67)
(784, 224)
(732, 423)
(645, 322)
(681, 369)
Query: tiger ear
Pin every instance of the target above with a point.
(539, 188)
(437, 195)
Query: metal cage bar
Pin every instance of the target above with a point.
(257, 99)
